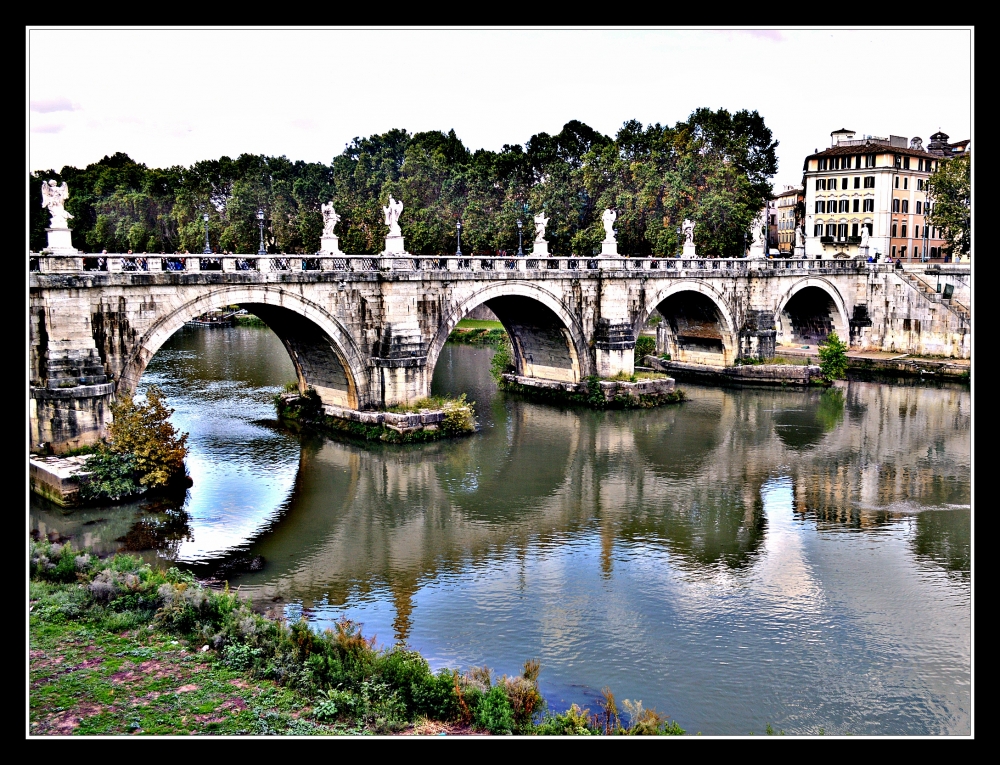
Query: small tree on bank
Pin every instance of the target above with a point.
(144, 432)
(833, 357)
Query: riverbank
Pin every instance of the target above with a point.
(642, 390)
(117, 647)
(875, 364)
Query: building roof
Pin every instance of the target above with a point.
(790, 192)
(867, 148)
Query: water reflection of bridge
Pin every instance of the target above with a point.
(687, 480)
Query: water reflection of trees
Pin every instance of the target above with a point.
(686, 479)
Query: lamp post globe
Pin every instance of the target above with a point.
(260, 225)
(520, 252)
(208, 247)
(458, 226)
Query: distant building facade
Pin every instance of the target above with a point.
(788, 208)
(874, 183)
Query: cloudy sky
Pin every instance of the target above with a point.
(176, 96)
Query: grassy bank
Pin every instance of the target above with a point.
(120, 648)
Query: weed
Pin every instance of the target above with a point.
(644, 346)
(833, 357)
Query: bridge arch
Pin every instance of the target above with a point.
(324, 353)
(698, 326)
(548, 340)
(808, 311)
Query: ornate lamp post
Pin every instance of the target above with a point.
(260, 225)
(208, 247)
(520, 252)
(458, 252)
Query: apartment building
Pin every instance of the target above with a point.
(874, 183)
(788, 211)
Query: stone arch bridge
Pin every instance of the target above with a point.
(366, 331)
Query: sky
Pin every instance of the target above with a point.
(174, 96)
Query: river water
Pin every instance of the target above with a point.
(748, 557)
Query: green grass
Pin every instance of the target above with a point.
(478, 324)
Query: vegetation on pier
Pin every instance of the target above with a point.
(142, 450)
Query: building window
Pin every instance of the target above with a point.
(857, 181)
(822, 163)
(869, 205)
(869, 160)
(845, 205)
(897, 161)
(893, 252)
(895, 205)
(902, 252)
(856, 207)
(906, 163)
(920, 184)
(918, 207)
(896, 182)
(843, 182)
(820, 205)
(842, 231)
(818, 229)
(831, 229)
(906, 205)
(894, 229)
(857, 161)
(903, 231)
(916, 232)
(869, 181)
(906, 183)
(820, 184)
(854, 229)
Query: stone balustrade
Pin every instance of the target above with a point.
(535, 266)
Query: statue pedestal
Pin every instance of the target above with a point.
(394, 245)
(540, 250)
(330, 245)
(609, 247)
(800, 251)
(863, 253)
(689, 251)
(60, 242)
(756, 252)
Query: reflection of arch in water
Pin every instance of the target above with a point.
(698, 326)
(809, 311)
(548, 340)
(323, 352)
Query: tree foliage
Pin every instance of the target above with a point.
(714, 168)
(950, 188)
(143, 432)
(833, 357)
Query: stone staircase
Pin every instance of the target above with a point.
(961, 311)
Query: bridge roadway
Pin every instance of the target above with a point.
(366, 331)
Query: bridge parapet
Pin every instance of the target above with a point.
(520, 266)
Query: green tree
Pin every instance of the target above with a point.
(833, 357)
(144, 432)
(950, 190)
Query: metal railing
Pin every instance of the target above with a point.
(277, 265)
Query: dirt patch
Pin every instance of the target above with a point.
(433, 728)
(188, 688)
(64, 723)
(240, 683)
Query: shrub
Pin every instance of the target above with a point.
(833, 357)
(573, 722)
(494, 713)
(458, 416)
(502, 361)
(644, 346)
(144, 432)
(113, 476)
